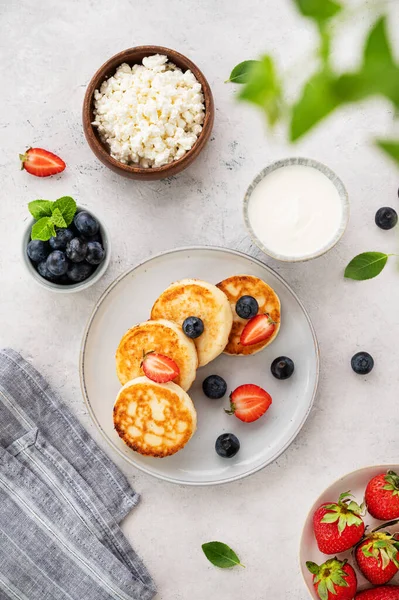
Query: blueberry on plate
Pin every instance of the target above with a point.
(76, 250)
(214, 387)
(282, 367)
(78, 272)
(38, 250)
(386, 217)
(60, 240)
(57, 263)
(247, 307)
(95, 253)
(44, 272)
(227, 445)
(193, 327)
(85, 223)
(362, 363)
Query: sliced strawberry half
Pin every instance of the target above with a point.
(258, 329)
(159, 368)
(41, 163)
(249, 402)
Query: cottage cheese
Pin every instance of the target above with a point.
(149, 114)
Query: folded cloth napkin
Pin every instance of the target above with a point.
(61, 501)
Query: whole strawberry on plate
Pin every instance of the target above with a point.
(333, 580)
(338, 525)
(41, 163)
(382, 496)
(377, 557)
(384, 592)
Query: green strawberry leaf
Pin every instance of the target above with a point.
(312, 567)
(57, 218)
(322, 590)
(241, 72)
(67, 207)
(330, 517)
(40, 208)
(341, 523)
(221, 555)
(43, 229)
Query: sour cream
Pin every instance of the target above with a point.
(297, 211)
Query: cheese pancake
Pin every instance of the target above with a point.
(154, 419)
(163, 337)
(196, 298)
(269, 303)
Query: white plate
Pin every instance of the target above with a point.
(129, 300)
(356, 483)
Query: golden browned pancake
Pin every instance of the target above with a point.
(197, 298)
(164, 337)
(248, 285)
(154, 419)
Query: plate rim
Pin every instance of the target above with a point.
(86, 399)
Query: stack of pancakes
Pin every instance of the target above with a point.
(158, 419)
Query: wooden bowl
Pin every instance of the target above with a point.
(133, 56)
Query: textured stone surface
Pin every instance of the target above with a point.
(49, 52)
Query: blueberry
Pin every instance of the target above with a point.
(193, 327)
(386, 217)
(282, 367)
(76, 250)
(247, 307)
(44, 272)
(227, 445)
(78, 272)
(362, 363)
(60, 240)
(85, 223)
(38, 250)
(95, 253)
(214, 387)
(57, 263)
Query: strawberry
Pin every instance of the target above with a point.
(339, 525)
(258, 329)
(41, 163)
(333, 580)
(377, 557)
(249, 402)
(159, 368)
(384, 592)
(382, 496)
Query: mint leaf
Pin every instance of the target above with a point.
(263, 88)
(58, 219)
(319, 10)
(221, 555)
(67, 208)
(366, 265)
(391, 148)
(240, 73)
(40, 208)
(43, 229)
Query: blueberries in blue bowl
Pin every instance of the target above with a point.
(60, 240)
(85, 223)
(78, 272)
(57, 263)
(38, 250)
(76, 250)
(95, 253)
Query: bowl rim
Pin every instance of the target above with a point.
(307, 162)
(98, 78)
(74, 287)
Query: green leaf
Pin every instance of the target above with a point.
(341, 523)
(240, 73)
(322, 590)
(312, 567)
(221, 555)
(366, 265)
(40, 208)
(43, 229)
(263, 88)
(67, 207)
(330, 518)
(319, 10)
(57, 218)
(317, 101)
(391, 148)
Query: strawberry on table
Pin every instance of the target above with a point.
(258, 329)
(338, 525)
(377, 557)
(382, 496)
(384, 592)
(159, 368)
(249, 402)
(333, 580)
(41, 163)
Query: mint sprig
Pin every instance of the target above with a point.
(49, 215)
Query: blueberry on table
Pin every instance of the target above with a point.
(57, 263)
(76, 250)
(193, 327)
(362, 363)
(247, 307)
(214, 387)
(386, 218)
(38, 250)
(282, 367)
(85, 223)
(95, 253)
(78, 272)
(60, 240)
(44, 272)
(227, 445)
